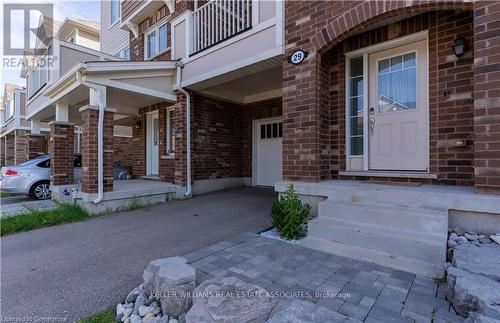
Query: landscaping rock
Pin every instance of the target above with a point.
(485, 240)
(145, 310)
(229, 299)
(495, 238)
(471, 236)
(119, 310)
(139, 301)
(163, 319)
(478, 318)
(149, 318)
(483, 259)
(300, 311)
(150, 275)
(182, 318)
(470, 292)
(173, 284)
(135, 318)
(452, 244)
(126, 313)
(173, 321)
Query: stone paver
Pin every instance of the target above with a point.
(356, 290)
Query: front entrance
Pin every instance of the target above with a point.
(152, 142)
(387, 107)
(398, 108)
(268, 135)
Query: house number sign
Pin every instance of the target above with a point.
(297, 57)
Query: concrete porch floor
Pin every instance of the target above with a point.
(128, 194)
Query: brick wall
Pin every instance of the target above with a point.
(123, 150)
(20, 148)
(221, 138)
(318, 26)
(451, 117)
(487, 96)
(62, 153)
(89, 147)
(10, 140)
(36, 145)
(2, 150)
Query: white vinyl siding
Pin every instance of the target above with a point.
(112, 37)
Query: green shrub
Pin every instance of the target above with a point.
(288, 214)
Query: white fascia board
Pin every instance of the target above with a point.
(127, 66)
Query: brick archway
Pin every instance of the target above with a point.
(368, 12)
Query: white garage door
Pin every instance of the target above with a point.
(268, 152)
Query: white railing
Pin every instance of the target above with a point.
(218, 20)
(36, 79)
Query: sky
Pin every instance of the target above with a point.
(62, 8)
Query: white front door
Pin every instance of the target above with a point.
(152, 143)
(398, 108)
(267, 152)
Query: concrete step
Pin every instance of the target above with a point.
(394, 220)
(399, 262)
(423, 248)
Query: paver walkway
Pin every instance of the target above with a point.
(366, 291)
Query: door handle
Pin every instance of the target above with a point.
(372, 126)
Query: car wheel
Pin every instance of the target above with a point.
(41, 190)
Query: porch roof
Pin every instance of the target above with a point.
(129, 86)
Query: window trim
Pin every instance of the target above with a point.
(170, 152)
(156, 28)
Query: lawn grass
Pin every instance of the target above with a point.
(64, 213)
(106, 316)
(5, 194)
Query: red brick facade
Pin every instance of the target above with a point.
(487, 96)
(314, 91)
(90, 119)
(20, 148)
(123, 150)
(36, 145)
(221, 138)
(61, 149)
(9, 149)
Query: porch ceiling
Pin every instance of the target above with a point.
(249, 84)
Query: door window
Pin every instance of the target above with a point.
(271, 130)
(397, 83)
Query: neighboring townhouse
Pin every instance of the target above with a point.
(13, 126)
(336, 97)
(76, 38)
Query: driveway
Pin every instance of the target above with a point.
(78, 269)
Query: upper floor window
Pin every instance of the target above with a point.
(9, 109)
(124, 53)
(156, 41)
(115, 11)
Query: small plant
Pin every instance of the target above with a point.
(288, 215)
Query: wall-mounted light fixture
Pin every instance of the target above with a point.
(459, 47)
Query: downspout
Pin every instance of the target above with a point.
(100, 144)
(179, 64)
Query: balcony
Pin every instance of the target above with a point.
(226, 40)
(60, 58)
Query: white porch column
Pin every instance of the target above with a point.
(62, 112)
(35, 126)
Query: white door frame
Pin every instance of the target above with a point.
(149, 140)
(256, 122)
(364, 52)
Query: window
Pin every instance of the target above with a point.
(156, 41)
(9, 109)
(170, 131)
(115, 11)
(356, 102)
(151, 44)
(162, 38)
(37, 78)
(397, 83)
(271, 130)
(124, 53)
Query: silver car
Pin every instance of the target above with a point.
(32, 178)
